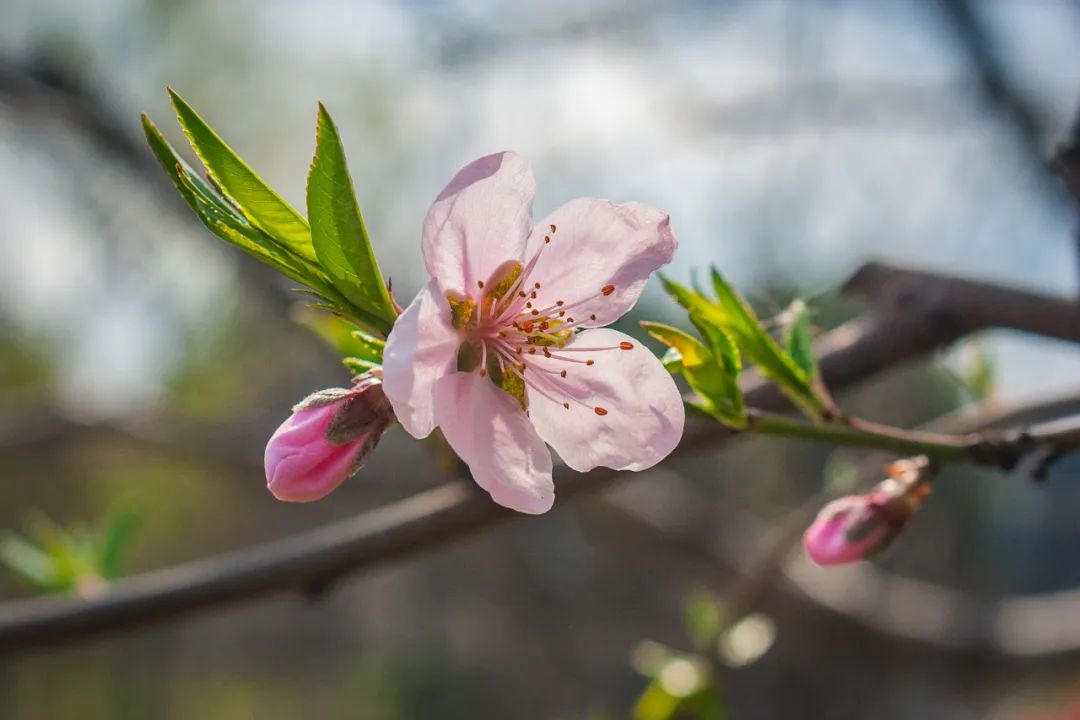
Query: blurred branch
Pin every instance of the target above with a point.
(994, 83)
(46, 90)
(915, 611)
(932, 312)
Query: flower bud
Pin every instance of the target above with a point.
(327, 439)
(858, 527)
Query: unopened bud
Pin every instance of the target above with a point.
(858, 527)
(328, 438)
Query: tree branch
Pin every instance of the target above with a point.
(937, 311)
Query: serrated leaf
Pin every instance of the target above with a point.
(718, 388)
(799, 338)
(338, 234)
(258, 202)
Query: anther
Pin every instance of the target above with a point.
(532, 351)
(547, 239)
(528, 304)
(569, 320)
(599, 410)
(483, 372)
(519, 350)
(608, 289)
(560, 303)
(535, 311)
(552, 228)
(536, 285)
(480, 284)
(626, 346)
(533, 294)
(590, 362)
(566, 405)
(593, 316)
(521, 294)
(547, 353)
(562, 374)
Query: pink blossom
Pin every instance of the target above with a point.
(858, 527)
(503, 349)
(328, 437)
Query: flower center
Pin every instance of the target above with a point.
(508, 323)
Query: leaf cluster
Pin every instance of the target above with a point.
(329, 252)
(730, 331)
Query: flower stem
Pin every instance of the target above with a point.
(858, 433)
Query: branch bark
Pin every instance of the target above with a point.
(929, 312)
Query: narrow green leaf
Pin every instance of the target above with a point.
(256, 200)
(33, 564)
(731, 313)
(337, 229)
(175, 167)
(115, 543)
(799, 338)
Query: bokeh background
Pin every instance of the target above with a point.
(143, 363)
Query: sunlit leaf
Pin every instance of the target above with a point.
(256, 200)
(719, 389)
(337, 229)
(730, 318)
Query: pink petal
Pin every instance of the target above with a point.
(479, 221)
(644, 418)
(597, 244)
(488, 430)
(301, 464)
(421, 348)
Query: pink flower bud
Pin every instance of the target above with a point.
(327, 439)
(858, 527)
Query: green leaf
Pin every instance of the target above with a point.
(337, 229)
(717, 387)
(343, 336)
(799, 338)
(25, 559)
(115, 543)
(258, 202)
(729, 315)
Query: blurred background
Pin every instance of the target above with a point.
(143, 363)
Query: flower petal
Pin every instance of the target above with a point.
(479, 221)
(488, 430)
(597, 244)
(422, 347)
(644, 414)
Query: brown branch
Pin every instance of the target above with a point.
(937, 311)
(912, 611)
